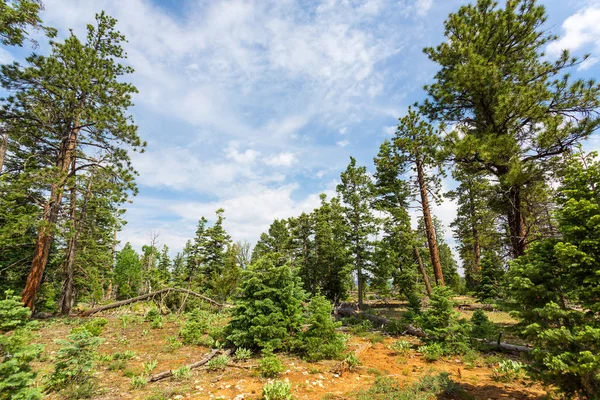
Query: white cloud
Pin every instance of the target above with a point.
(591, 61)
(390, 130)
(423, 7)
(285, 159)
(343, 143)
(580, 31)
(248, 156)
(343, 130)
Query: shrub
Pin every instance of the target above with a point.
(182, 373)
(401, 346)
(157, 323)
(268, 309)
(432, 352)
(441, 324)
(152, 314)
(414, 308)
(320, 340)
(13, 314)
(218, 363)
(138, 382)
(362, 327)
(482, 327)
(125, 355)
(195, 327)
(428, 387)
(173, 344)
(277, 390)
(75, 362)
(149, 366)
(270, 366)
(508, 371)
(352, 361)
(95, 326)
(16, 375)
(242, 354)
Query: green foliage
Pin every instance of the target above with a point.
(13, 314)
(95, 326)
(195, 327)
(16, 375)
(128, 272)
(428, 387)
(75, 362)
(125, 355)
(414, 308)
(555, 288)
(138, 382)
(242, 354)
(482, 327)
(270, 366)
(173, 344)
(432, 352)
(16, 17)
(441, 323)
(401, 347)
(268, 310)
(182, 373)
(149, 366)
(218, 363)
(508, 371)
(320, 340)
(277, 390)
(352, 361)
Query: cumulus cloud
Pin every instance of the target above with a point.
(581, 31)
(284, 159)
(343, 143)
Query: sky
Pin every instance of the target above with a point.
(256, 106)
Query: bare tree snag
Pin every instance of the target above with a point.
(150, 295)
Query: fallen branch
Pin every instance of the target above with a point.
(475, 307)
(205, 360)
(150, 295)
(348, 311)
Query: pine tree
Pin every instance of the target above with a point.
(513, 109)
(398, 249)
(128, 272)
(277, 240)
(68, 102)
(215, 253)
(16, 17)
(356, 191)
(417, 145)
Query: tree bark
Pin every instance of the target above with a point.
(3, 146)
(49, 219)
(149, 295)
(429, 228)
(66, 301)
(422, 270)
(516, 222)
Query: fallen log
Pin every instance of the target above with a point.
(148, 296)
(475, 307)
(205, 360)
(348, 311)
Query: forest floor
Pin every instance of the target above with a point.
(127, 331)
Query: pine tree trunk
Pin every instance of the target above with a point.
(3, 147)
(422, 270)
(49, 219)
(516, 222)
(429, 228)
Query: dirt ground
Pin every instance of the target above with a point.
(309, 380)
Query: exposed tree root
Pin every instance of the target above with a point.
(151, 295)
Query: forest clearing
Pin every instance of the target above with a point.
(254, 228)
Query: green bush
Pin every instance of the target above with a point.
(242, 354)
(414, 308)
(401, 347)
(152, 314)
(432, 352)
(428, 387)
(16, 352)
(352, 361)
(138, 382)
(218, 363)
(182, 373)
(194, 328)
(75, 362)
(95, 326)
(13, 314)
(508, 371)
(277, 390)
(320, 340)
(482, 327)
(441, 323)
(268, 309)
(270, 366)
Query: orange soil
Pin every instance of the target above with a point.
(309, 380)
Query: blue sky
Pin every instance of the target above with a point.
(256, 106)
